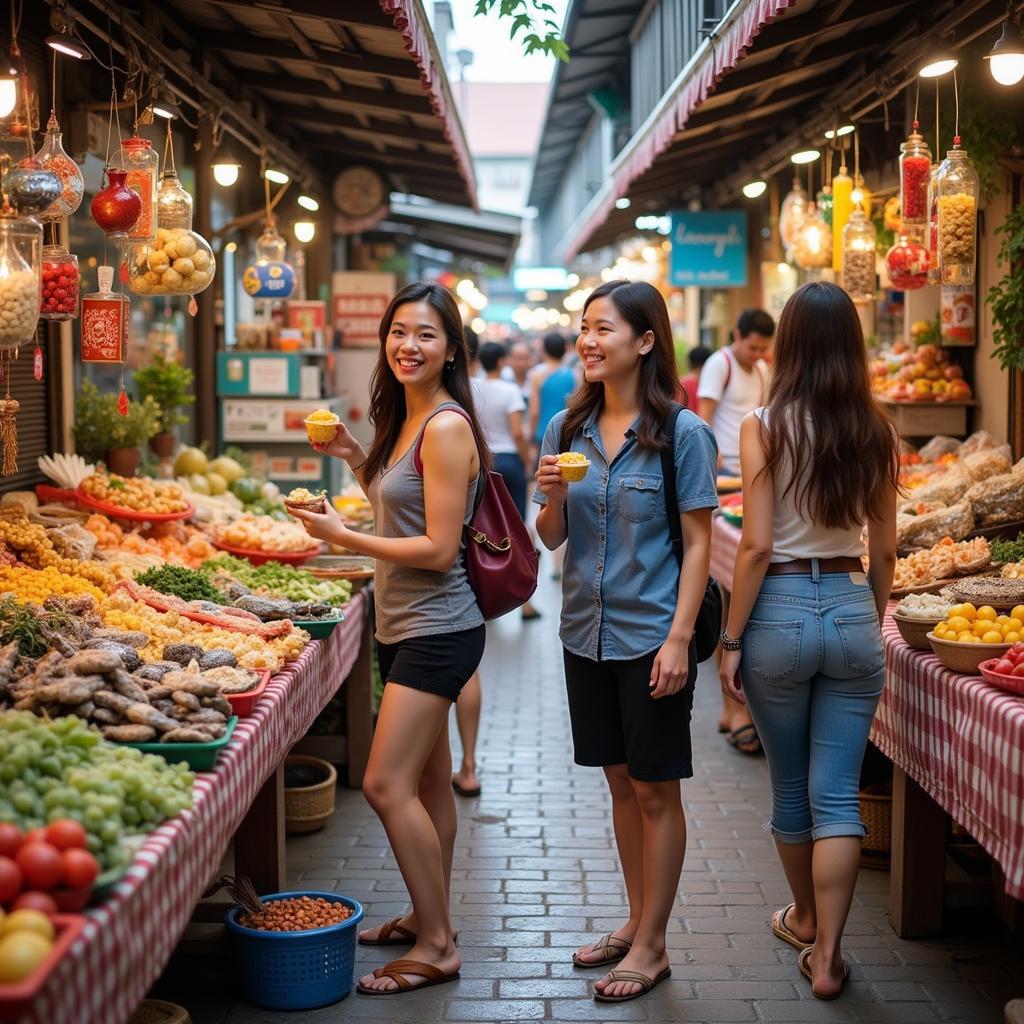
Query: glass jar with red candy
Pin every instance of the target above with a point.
(907, 261)
(915, 170)
(60, 284)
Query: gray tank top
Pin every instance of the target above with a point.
(417, 602)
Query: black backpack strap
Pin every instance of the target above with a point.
(668, 473)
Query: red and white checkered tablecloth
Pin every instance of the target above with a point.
(725, 539)
(128, 940)
(962, 740)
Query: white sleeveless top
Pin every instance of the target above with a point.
(793, 536)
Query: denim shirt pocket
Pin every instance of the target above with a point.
(861, 638)
(639, 496)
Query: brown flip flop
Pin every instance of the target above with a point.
(396, 971)
(646, 984)
(803, 961)
(613, 948)
(391, 934)
(784, 932)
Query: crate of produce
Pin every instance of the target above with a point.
(200, 757)
(296, 970)
(16, 997)
(318, 629)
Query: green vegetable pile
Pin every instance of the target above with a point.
(1008, 550)
(64, 769)
(188, 584)
(276, 580)
(30, 628)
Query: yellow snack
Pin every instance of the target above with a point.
(302, 497)
(321, 425)
(573, 465)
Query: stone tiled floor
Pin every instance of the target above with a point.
(536, 874)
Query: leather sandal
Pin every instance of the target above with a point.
(803, 961)
(784, 932)
(391, 934)
(396, 971)
(646, 984)
(613, 948)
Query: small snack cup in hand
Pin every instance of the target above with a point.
(305, 499)
(321, 426)
(574, 466)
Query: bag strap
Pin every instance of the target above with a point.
(668, 473)
(728, 370)
(417, 457)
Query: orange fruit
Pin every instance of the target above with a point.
(993, 636)
(21, 953)
(987, 613)
(1018, 613)
(958, 623)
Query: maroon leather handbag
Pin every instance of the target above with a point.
(501, 561)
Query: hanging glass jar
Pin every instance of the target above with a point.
(270, 276)
(859, 238)
(21, 240)
(907, 261)
(141, 165)
(791, 215)
(932, 238)
(823, 200)
(958, 187)
(915, 171)
(53, 158)
(106, 315)
(860, 197)
(179, 261)
(60, 284)
(812, 247)
(116, 207)
(842, 204)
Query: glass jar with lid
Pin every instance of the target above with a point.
(141, 164)
(812, 246)
(61, 281)
(173, 203)
(270, 276)
(21, 240)
(915, 172)
(958, 187)
(859, 239)
(907, 260)
(791, 214)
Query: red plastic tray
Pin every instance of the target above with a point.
(260, 557)
(116, 512)
(47, 493)
(1015, 684)
(16, 998)
(243, 703)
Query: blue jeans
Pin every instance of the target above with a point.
(813, 670)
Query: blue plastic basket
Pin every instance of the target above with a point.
(296, 970)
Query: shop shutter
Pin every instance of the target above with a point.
(33, 418)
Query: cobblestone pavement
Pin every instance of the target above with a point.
(536, 874)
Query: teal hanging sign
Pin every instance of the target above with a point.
(709, 248)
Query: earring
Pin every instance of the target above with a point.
(450, 363)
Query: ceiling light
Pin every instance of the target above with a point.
(305, 230)
(276, 176)
(226, 172)
(64, 42)
(839, 132)
(622, 203)
(805, 156)
(8, 92)
(308, 203)
(753, 189)
(1006, 59)
(165, 107)
(939, 62)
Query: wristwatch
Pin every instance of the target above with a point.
(730, 644)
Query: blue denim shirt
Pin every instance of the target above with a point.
(620, 582)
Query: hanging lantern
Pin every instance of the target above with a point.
(270, 276)
(860, 196)
(842, 204)
(105, 319)
(60, 283)
(51, 157)
(116, 208)
(21, 240)
(915, 170)
(30, 187)
(859, 239)
(179, 261)
(9, 434)
(812, 246)
(958, 187)
(907, 261)
(141, 164)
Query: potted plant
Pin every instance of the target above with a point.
(102, 433)
(169, 384)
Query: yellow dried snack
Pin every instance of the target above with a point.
(321, 425)
(574, 466)
(302, 497)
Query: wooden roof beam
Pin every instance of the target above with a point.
(318, 121)
(365, 13)
(368, 99)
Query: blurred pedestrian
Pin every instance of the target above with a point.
(695, 360)
(518, 364)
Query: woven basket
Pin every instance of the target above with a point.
(156, 1011)
(915, 631)
(876, 813)
(308, 808)
(964, 658)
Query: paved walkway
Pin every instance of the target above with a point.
(536, 874)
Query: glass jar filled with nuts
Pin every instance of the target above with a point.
(957, 187)
(858, 275)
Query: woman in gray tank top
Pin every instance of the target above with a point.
(421, 476)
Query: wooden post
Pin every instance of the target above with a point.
(918, 859)
(358, 691)
(206, 335)
(259, 841)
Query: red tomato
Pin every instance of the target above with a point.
(41, 865)
(10, 839)
(1018, 648)
(1018, 670)
(41, 901)
(1004, 667)
(80, 868)
(36, 835)
(10, 879)
(66, 834)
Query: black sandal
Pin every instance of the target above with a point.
(740, 739)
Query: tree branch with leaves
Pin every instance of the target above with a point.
(533, 18)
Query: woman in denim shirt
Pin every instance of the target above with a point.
(803, 645)
(628, 611)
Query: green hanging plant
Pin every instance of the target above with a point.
(1006, 297)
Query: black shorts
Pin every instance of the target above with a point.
(615, 720)
(440, 663)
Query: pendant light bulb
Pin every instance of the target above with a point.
(1006, 60)
(805, 156)
(65, 43)
(305, 230)
(276, 176)
(940, 62)
(754, 189)
(308, 203)
(226, 174)
(8, 93)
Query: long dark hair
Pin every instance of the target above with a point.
(642, 307)
(842, 449)
(387, 396)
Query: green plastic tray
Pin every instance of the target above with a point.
(319, 628)
(200, 756)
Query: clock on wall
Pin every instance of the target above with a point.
(358, 191)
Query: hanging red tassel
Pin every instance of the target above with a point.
(124, 275)
(37, 364)
(122, 402)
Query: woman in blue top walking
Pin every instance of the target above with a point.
(628, 611)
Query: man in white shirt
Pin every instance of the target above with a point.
(517, 367)
(734, 382)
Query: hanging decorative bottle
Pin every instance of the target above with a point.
(859, 238)
(907, 260)
(105, 318)
(270, 276)
(812, 247)
(53, 158)
(915, 170)
(791, 215)
(21, 241)
(116, 207)
(60, 283)
(141, 164)
(842, 205)
(958, 186)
